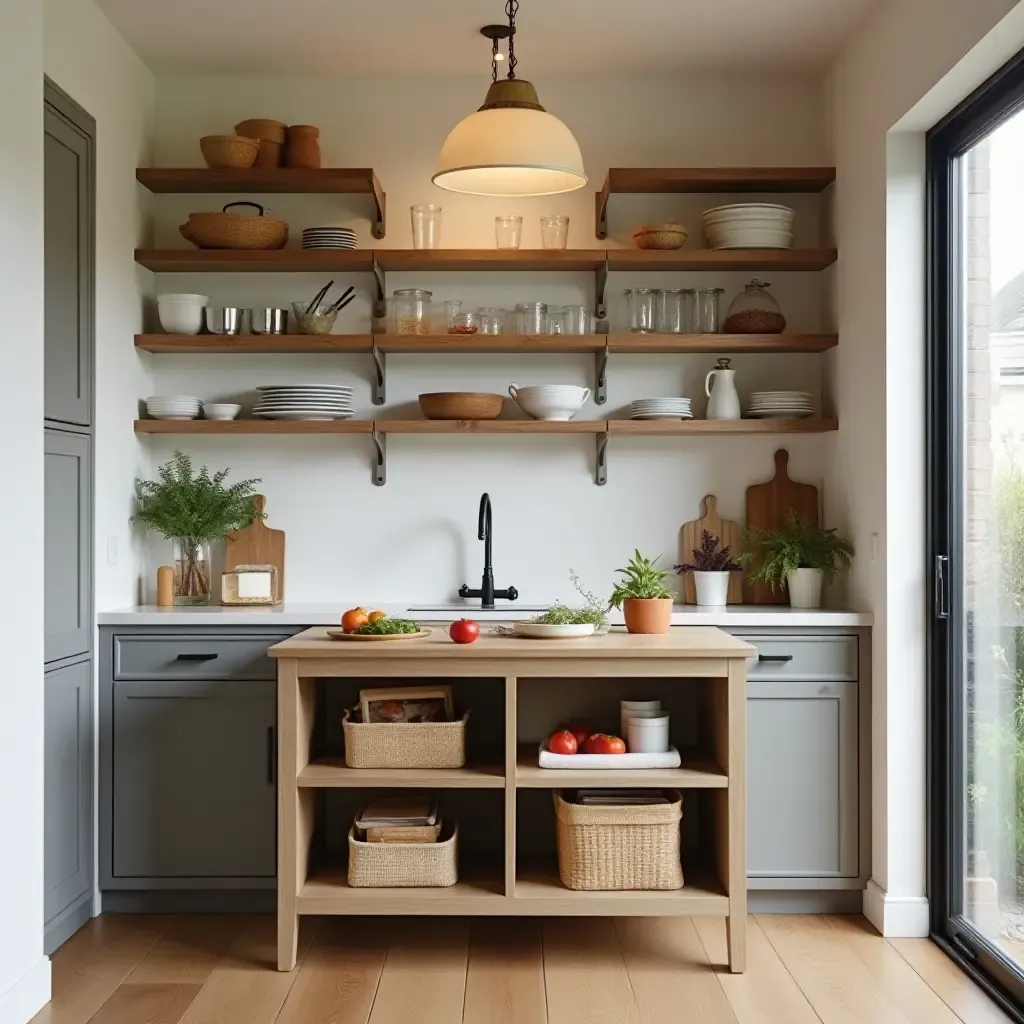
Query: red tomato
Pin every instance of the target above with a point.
(581, 732)
(562, 742)
(465, 631)
(602, 743)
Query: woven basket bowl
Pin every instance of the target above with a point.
(262, 128)
(660, 236)
(215, 230)
(228, 150)
(461, 405)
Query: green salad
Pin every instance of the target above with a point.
(388, 627)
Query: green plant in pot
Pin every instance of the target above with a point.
(798, 556)
(712, 568)
(591, 613)
(193, 510)
(643, 597)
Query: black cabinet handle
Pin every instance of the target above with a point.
(776, 658)
(271, 756)
(197, 657)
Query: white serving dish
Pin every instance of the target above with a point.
(599, 762)
(553, 403)
(181, 314)
(221, 410)
(546, 631)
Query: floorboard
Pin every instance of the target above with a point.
(147, 1003)
(505, 976)
(189, 950)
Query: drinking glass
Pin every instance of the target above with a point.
(426, 226)
(508, 231)
(642, 304)
(554, 231)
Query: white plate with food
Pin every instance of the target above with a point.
(340, 634)
(544, 631)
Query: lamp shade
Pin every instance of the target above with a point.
(513, 149)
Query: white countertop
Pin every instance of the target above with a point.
(297, 614)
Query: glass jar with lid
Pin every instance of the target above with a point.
(707, 310)
(533, 317)
(464, 323)
(755, 311)
(492, 320)
(410, 311)
(675, 313)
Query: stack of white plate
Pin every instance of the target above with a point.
(328, 238)
(780, 405)
(749, 226)
(173, 407)
(302, 402)
(661, 409)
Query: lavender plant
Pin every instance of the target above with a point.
(710, 557)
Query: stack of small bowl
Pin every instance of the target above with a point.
(173, 407)
(749, 226)
(181, 313)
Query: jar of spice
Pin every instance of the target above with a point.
(303, 147)
(754, 311)
(464, 323)
(410, 311)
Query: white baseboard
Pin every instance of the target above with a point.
(28, 995)
(896, 917)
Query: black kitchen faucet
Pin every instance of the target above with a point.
(487, 593)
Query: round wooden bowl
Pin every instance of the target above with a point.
(461, 405)
(262, 128)
(229, 151)
(660, 236)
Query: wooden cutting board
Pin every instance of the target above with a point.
(728, 534)
(767, 507)
(257, 544)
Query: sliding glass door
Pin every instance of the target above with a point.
(976, 432)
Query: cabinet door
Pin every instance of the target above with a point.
(68, 309)
(802, 780)
(67, 536)
(193, 780)
(67, 793)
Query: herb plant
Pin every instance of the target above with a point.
(641, 579)
(710, 557)
(193, 506)
(777, 553)
(592, 612)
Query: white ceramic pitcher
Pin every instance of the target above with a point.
(723, 401)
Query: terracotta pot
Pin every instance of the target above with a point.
(647, 614)
(303, 149)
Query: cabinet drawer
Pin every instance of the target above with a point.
(194, 657)
(803, 658)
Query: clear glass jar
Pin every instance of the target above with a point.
(554, 231)
(707, 310)
(754, 311)
(191, 571)
(492, 320)
(464, 323)
(426, 226)
(452, 308)
(533, 317)
(557, 320)
(642, 305)
(410, 311)
(675, 312)
(508, 232)
(577, 320)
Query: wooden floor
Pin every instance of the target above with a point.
(218, 970)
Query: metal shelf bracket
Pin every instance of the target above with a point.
(380, 309)
(601, 464)
(601, 376)
(380, 201)
(380, 467)
(601, 278)
(379, 375)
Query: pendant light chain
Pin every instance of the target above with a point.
(510, 9)
(494, 59)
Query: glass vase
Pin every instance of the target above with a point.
(191, 571)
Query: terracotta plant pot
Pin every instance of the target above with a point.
(647, 615)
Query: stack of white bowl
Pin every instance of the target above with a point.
(749, 226)
(328, 238)
(553, 403)
(644, 726)
(661, 409)
(778, 405)
(181, 313)
(173, 407)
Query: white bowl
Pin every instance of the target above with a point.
(185, 298)
(180, 317)
(553, 403)
(545, 631)
(221, 410)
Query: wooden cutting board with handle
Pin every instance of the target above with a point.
(257, 544)
(728, 534)
(767, 507)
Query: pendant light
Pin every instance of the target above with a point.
(511, 146)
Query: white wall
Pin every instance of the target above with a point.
(415, 538)
(24, 971)
(86, 57)
(909, 64)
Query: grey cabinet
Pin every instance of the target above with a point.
(68, 267)
(193, 798)
(67, 802)
(803, 789)
(67, 538)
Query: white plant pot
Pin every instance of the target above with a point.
(805, 588)
(712, 588)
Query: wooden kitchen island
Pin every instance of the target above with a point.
(517, 690)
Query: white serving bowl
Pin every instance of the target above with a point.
(181, 314)
(550, 402)
(173, 407)
(221, 410)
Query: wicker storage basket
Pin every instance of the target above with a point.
(619, 847)
(660, 236)
(228, 151)
(223, 230)
(389, 865)
(405, 744)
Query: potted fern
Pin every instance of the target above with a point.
(799, 557)
(712, 568)
(192, 510)
(643, 597)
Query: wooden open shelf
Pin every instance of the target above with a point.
(333, 773)
(653, 428)
(362, 260)
(488, 427)
(457, 344)
(253, 426)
